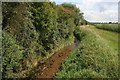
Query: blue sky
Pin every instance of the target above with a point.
(96, 10)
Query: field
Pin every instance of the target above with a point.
(109, 27)
(94, 57)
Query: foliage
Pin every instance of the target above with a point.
(79, 34)
(8, 12)
(39, 28)
(44, 19)
(109, 27)
(52, 22)
(21, 27)
(11, 56)
(92, 59)
(78, 15)
(84, 22)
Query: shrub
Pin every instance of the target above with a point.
(11, 56)
(79, 34)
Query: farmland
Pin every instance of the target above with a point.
(106, 26)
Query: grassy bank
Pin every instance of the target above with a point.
(92, 59)
(63, 43)
(110, 37)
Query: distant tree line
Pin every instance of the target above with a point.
(103, 22)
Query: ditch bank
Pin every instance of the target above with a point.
(49, 67)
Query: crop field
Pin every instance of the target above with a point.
(109, 27)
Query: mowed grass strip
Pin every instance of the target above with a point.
(110, 37)
(92, 59)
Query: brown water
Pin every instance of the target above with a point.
(50, 67)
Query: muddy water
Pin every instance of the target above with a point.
(50, 67)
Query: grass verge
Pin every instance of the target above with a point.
(92, 59)
(110, 37)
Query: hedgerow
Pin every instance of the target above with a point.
(40, 28)
(12, 56)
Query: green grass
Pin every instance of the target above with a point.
(109, 27)
(93, 58)
(110, 37)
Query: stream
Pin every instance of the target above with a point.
(51, 66)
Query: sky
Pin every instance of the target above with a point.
(96, 10)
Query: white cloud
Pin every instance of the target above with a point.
(66, 0)
(90, 0)
(90, 4)
(106, 16)
(100, 10)
(97, 10)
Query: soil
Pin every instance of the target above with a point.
(47, 69)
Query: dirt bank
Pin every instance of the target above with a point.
(48, 68)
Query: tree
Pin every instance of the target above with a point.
(78, 15)
(20, 26)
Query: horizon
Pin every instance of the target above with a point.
(95, 11)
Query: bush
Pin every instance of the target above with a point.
(79, 34)
(11, 56)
